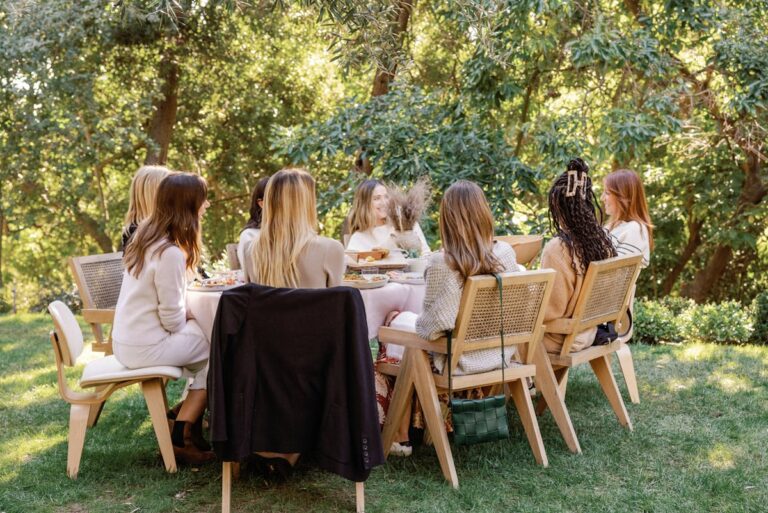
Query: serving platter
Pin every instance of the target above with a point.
(373, 281)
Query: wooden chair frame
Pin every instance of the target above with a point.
(86, 407)
(97, 310)
(414, 371)
(597, 356)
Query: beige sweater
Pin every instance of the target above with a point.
(441, 307)
(565, 292)
(320, 264)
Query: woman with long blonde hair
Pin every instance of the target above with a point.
(288, 252)
(469, 249)
(629, 222)
(141, 198)
(369, 223)
(152, 325)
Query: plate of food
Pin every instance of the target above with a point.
(216, 284)
(368, 256)
(365, 281)
(409, 278)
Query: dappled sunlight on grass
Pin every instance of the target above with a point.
(25, 375)
(20, 450)
(729, 382)
(678, 384)
(696, 352)
(721, 457)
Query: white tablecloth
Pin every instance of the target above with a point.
(378, 303)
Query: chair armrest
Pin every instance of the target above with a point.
(410, 339)
(562, 326)
(95, 315)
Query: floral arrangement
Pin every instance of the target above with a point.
(405, 209)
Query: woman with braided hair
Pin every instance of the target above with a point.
(579, 239)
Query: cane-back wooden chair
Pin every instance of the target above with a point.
(477, 327)
(604, 297)
(527, 247)
(98, 279)
(105, 375)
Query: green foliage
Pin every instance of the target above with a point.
(760, 319)
(678, 320)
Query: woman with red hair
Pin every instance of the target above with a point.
(629, 223)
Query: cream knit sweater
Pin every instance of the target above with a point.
(441, 307)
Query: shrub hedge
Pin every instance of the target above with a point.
(679, 320)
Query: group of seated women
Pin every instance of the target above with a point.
(280, 247)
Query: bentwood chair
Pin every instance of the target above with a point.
(525, 296)
(105, 375)
(604, 297)
(527, 247)
(98, 279)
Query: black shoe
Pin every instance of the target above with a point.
(273, 469)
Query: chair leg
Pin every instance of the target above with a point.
(551, 396)
(400, 398)
(360, 497)
(94, 412)
(427, 392)
(226, 486)
(562, 380)
(153, 395)
(624, 355)
(78, 424)
(524, 406)
(602, 368)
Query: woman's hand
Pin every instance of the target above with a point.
(391, 317)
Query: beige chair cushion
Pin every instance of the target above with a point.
(108, 370)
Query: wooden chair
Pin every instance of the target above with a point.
(477, 327)
(527, 247)
(98, 279)
(234, 261)
(105, 375)
(604, 296)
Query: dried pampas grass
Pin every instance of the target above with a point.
(406, 208)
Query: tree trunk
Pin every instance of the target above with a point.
(752, 193)
(164, 107)
(694, 241)
(91, 227)
(384, 76)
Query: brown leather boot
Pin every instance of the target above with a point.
(189, 453)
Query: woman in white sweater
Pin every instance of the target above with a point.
(253, 227)
(152, 325)
(629, 223)
(466, 228)
(368, 221)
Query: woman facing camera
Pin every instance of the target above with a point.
(152, 325)
(252, 228)
(368, 220)
(141, 199)
(288, 252)
(466, 228)
(578, 240)
(629, 223)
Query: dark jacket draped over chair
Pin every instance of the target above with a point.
(291, 371)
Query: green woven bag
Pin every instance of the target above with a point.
(480, 420)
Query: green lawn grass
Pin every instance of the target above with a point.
(700, 444)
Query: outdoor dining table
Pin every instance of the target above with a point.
(378, 303)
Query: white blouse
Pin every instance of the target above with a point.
(631, 237)
(382, 237)
(246, 236)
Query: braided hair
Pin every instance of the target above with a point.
(572, 217)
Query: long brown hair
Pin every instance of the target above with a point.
(572, 217)
(256, 211)
(626, 187)
(361, 215)
(176, 218)
(466, 227)
(289, 224)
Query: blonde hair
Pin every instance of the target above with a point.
(361, 215)
(466, 227)
(176, 219)
(626, 187)
(141, 202)
(288, 224)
